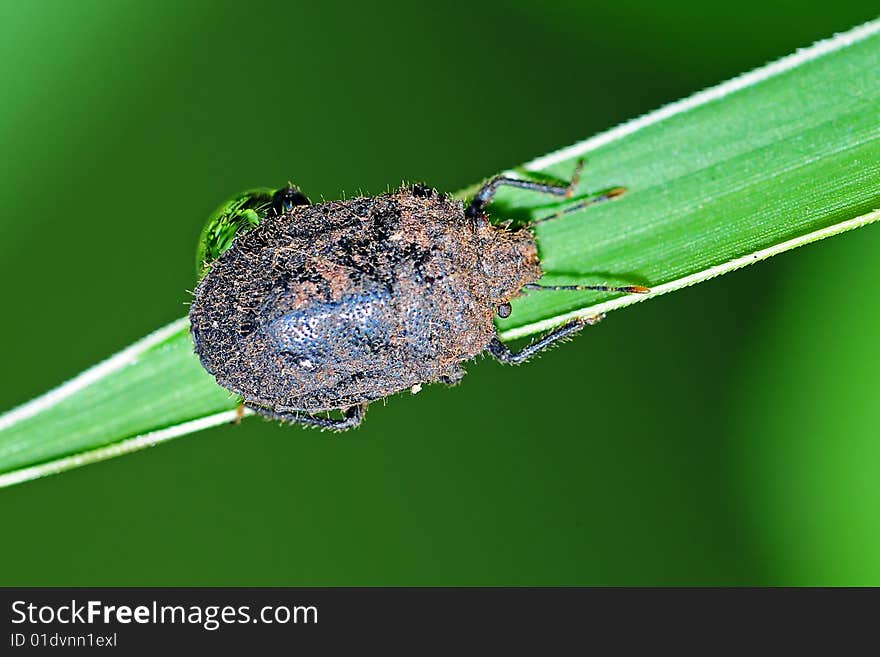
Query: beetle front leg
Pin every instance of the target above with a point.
(503, 353)
(483, 197)
(351, 419)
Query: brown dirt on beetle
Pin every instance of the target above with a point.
(337, 304)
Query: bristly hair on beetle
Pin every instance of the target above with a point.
(307, 308)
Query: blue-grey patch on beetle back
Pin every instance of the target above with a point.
(358, 322)
(333, 305)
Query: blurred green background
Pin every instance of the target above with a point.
(725, 434)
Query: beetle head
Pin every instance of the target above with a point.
(508, 260)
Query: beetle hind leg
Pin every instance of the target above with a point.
(352, 417)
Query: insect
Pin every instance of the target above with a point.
(303, 308)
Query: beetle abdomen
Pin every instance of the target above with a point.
(341, 303)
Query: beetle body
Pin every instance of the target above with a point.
(334, 305)
(308, 308)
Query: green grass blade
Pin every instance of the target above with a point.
(776, 158)
(152, 391)
(780, 157)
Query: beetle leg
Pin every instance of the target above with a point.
(503, 353)
(482, 198)
(352, 417)
(453, 378)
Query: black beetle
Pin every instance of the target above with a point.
(328, 307)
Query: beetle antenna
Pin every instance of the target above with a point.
(610, 195)
(629, 289)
